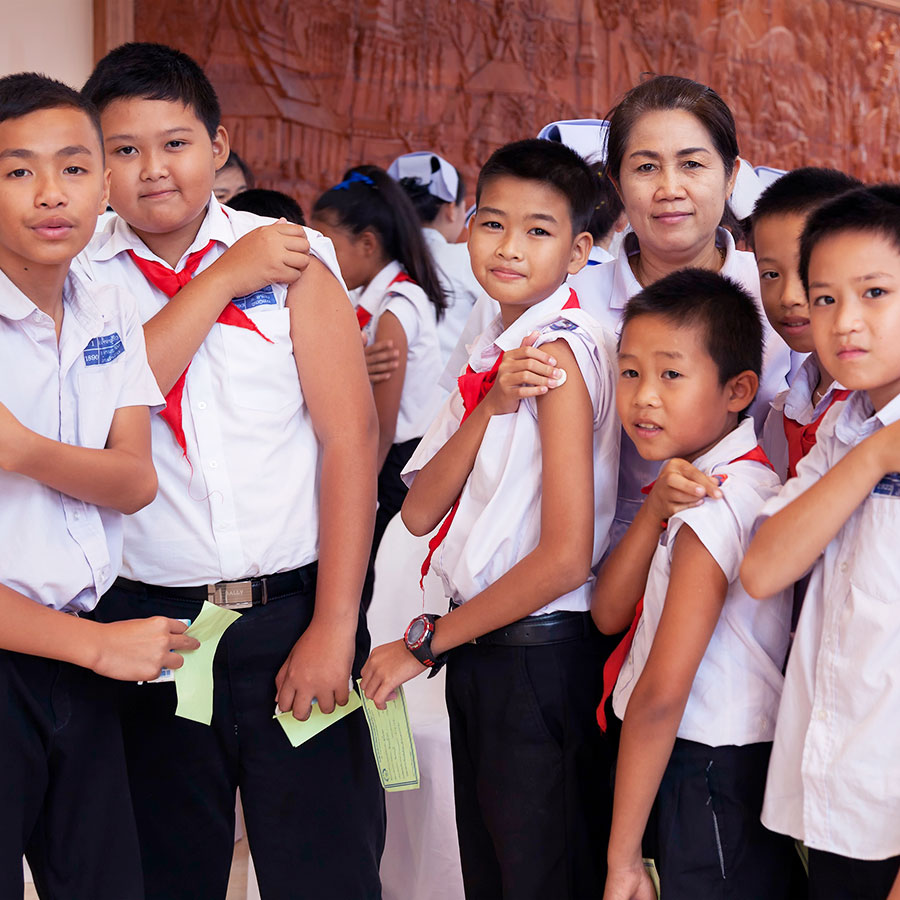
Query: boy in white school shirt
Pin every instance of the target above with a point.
(74, 456)
(527, 482)
(268, 410)
(698, 690)
(834, 778)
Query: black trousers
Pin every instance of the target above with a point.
(64, 799)
(833, 877)
(706, 835)
(314, 814)
(531, 769)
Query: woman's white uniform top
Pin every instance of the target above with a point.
(409, 303)
(498, 521)
(795, 403)
(245, 501)
(607, 288)
(734, 697)
(834, 775)
(460, 288)
(59, 551)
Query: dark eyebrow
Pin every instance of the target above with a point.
(74, 150)
(688, 151)
(543, 217)
(17, 153)
(490, 211)
(130, 137)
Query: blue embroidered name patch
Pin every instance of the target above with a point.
(104, 349)
(889, 486)
(264, 297)
(563, 325)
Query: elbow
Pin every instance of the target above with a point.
(415, 521)
(572, 569)
(608, 621)
(753, 579)
(142, 491)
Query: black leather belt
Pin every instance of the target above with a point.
(233, 594)
(553, 628)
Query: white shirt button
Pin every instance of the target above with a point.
(213, 464)
(201, 404)
(844, 567)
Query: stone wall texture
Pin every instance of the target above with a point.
(309, 87)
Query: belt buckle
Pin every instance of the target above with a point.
(231, 594)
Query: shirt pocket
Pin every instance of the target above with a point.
(262, 375)
(876, 573)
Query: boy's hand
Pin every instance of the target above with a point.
(679, 486)
(318, 667)
(524, 372)
(387, 667)
(631, 883)
(137, 649)
(13, 440)
(382, 358)
(271, 254)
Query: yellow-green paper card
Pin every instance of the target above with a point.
(392, 742)
(299, 732)
(194, 680)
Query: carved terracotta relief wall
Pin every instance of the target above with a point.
(309, 88)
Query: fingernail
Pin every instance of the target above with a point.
(553, 363)
(552, 382)
(557, 373)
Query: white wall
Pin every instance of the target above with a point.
(50, 36)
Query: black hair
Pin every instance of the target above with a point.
(549, 163)
(368, 199)
(235, 162)
(29, 92)
(801, 191)
(728, 315)
(264, 202)
(426, 205)
(154, 72)
(609, 205)
(871, 210)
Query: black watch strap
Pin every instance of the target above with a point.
(421, 646)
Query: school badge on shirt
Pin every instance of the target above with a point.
(263, 297)
(889, 486)
(104, 349)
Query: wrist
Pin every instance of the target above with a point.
(87, 646)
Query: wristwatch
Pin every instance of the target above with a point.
(418, 642)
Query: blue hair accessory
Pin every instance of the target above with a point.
(355, 178)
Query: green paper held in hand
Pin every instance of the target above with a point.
(392, 742)
(300, 732)
(194, 680)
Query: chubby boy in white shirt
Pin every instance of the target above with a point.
(526, 479)
(74, 456)
(268, 410)
(834, 778)
(699, 687)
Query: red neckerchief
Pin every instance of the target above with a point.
(170, 283)
(802, 438)
(363, 316)
(473, 388)
(616, 660)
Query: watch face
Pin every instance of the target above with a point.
(415, 632)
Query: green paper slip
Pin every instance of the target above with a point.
(194, 680)
(392, 742)
(650, 869)
(299, 732)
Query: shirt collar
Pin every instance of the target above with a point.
(625, 285)
(371, 297)
(494, 340)
(121, 237)
(858, 420)
(798, 404)
(598, 256)
(434, 237)
(77, 301)
(732, 446)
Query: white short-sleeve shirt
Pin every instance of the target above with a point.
(834, 775)
(419, 401)
(498, 519)
(244, 502)
(735, 694)
(59, 551)
(794, 403)
(460, 288)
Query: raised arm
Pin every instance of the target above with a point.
(562, 559)
(271, 254)
(623, 576)
(694, 600)
(788, 543)
(332, 371)
(120, 476)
